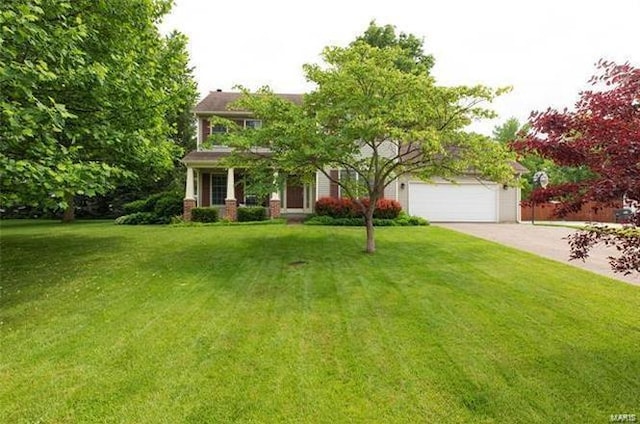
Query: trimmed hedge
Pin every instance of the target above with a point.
(204, 214)
(251, 213)
(347, 208)
(403, 220)
(141, 218)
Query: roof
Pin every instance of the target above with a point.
(219, 101)
(518, 168)
(204, 157)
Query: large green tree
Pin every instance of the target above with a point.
(89, 90)
(377, 118)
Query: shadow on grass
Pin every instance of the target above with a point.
(34, 263)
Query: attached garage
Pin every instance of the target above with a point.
(449, 202)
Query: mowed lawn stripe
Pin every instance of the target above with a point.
(295, 323)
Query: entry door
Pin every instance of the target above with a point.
(295, 196)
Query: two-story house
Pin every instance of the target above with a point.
(211, 184)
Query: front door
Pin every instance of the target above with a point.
(295, 196)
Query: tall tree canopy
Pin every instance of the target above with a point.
(510, 131)
(602, 133)
(87, 92)
(367, 99)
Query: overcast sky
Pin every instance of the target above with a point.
(545, 49)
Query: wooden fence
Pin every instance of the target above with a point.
(590, 211)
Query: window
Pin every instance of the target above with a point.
(218, 129)
(351, 179)
(252, 123)
(218, 188)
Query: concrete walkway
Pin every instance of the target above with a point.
(542, 240)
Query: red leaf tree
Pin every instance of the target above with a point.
(603, 134)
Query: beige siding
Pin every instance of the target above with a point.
(386, 149)
(508, 205)
(403, 193)
(322, 185)
(390, 191)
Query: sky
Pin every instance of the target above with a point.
(545, 49)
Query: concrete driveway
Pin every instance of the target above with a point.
(546, 241)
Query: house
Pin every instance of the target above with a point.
(211, 184)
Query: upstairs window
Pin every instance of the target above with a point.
(252, 123)
(218, 129)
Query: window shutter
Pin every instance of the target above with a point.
(206, 129)
(333, 187)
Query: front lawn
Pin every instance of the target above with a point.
(105, 323)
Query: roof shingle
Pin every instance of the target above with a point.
(219, 101)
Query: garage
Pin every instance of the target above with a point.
(448, 202)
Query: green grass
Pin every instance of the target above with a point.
(104, 323)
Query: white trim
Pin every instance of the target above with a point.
(199, 133)
(189, 193)
(231, 192)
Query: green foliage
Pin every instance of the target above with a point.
(159, 208)
(91, 94)
(510, 132)
(204, 214)
(251, 213)
(141, 218)
(135, 206)
(414, 60)
(169, 205)
(403, 220)
(377, 114)
(165, 204)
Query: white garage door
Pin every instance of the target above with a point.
(454, 202)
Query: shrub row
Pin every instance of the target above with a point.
(402, 220)
(162, 204)
(251, 213)
(204, 214)
(347, 208)
(141, 218)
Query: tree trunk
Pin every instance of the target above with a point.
(69, 214)
(371, 241)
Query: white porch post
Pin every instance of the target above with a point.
(276, 194)
(189, 201)
(231, 194)
(274, 202)
(189, 192)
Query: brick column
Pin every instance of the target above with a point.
(187, 205)
(231, 209)
(274, 208)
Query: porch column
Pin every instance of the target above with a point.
(230, 201)
(189, 201)
(274, 203)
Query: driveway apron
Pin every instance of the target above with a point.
(545, 241)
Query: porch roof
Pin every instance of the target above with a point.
(196, 157)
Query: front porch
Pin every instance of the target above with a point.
(226, 190)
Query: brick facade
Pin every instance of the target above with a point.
(187, 205)
(274, 208)
(231, 207)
